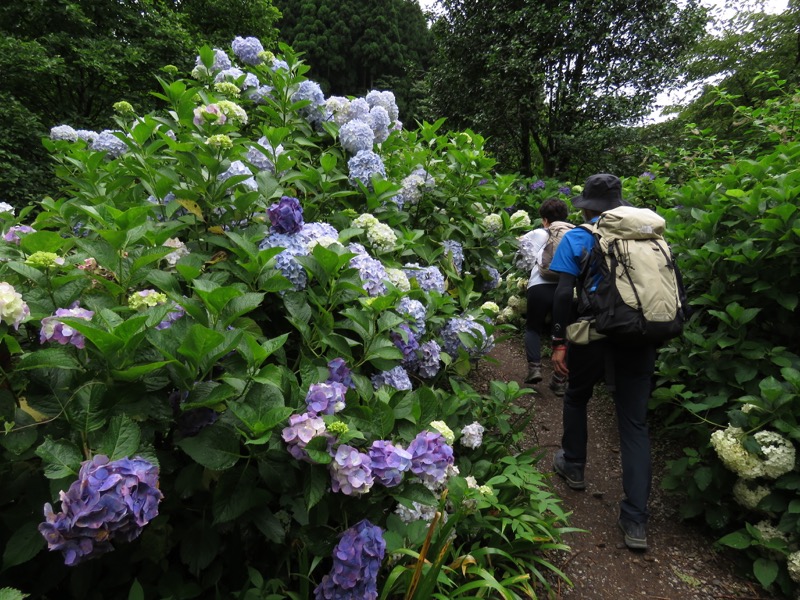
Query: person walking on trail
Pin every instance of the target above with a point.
(541, 287)
(627, 369)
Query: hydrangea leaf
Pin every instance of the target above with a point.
(61, 458)
(25, 543)
(215, 448)
(121, 439)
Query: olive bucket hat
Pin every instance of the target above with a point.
(601, 192)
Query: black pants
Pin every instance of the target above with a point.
(540, 306)
(631, 368)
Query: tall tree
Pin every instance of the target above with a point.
(543, 78)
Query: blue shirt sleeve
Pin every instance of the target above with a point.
(570, 251)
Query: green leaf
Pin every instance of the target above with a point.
(139, 371)
(121, 439)
(199, 342)
(215, 447)
(24, 544)
(703, 477)
(137, 591)
(738, 539)
(765, 571)
(199, 547)
(317, 485)
(48, 358)
(61, 458)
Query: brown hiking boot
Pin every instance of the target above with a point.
(534, 373)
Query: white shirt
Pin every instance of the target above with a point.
(530, 247)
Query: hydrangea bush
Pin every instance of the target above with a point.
(241, 326)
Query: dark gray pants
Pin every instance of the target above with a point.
(628, 371)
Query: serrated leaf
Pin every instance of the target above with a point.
(48, 358)
(61, 458)
(316, 486)
(215, 447)
(121, 439)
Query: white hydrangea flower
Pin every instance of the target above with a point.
(521, 218)
(500, 254)
(506, 315)
(180, 251)
(233, 111)
(446, 432)
(728, 446)
(13, 309)
(479, 208)
(793, 566)
(365, 221)
(382, 237)
(420, 512)
(6, 207)
(747, 408)
(472, 435)
(398, 279)
(493, 223)
(770, 532)
(323, 240)
(779, 453)
(749, 496)
(490, 307)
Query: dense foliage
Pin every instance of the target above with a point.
(233, 354)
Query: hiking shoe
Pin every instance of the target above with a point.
(534, 373)
(558, 386)
(571, 472)
(635, 534)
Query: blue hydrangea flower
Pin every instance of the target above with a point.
(396, 378)
(325, 398)
(389, 462)
(385, 100)
(279, 64)
(378, 120)
(355, 136)
(109, 501)
(647, 175)
(236, 169)
(315, 231)
(87, 135)
(430, 457)
(428, 278)
(110, 143)
(429, 357)
(260, 93)
(372, 273)
(63, 132)
(258, 158)
(491, 278)
(286, 216)
(455, 252)
(537, 185)
(247, 50)
(293, 246)
(310, 90)
(414, 311)
(457, 327)
(406, 342)
(301, 430)
(566, 190)
(339, 372)
(364, 166)
(351, 471)
(358, 109)
(356, 562)
(221, 60)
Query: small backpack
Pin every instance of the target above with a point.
(555, 232)
(630, 282)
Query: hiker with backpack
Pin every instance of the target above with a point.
(630, 300)
(537, 249)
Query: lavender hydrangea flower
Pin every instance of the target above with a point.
(338, 372)
(108, 501)
(355, 136)
(260, 159)
(429, 357)
(247, 50)
(455, 252)
(428, 278)
(491, 278)
(301, 430)
(259, 94)
(286, 216)
(356, 561)
(566, 190)
(325, 398)
(414, 311)
(378, 120)
(221, 61)
(237, 169)
(108, 142)
(176, 313)
(647, 175)
(285, 261)
(457, 327)
(537, 185)
(55, 330)
(316, 231)
(472, 435)
(396, 378)
(389, 462)
(406, 342)
(358, 109)
(364, 166)
(430, 457)
(310, 90)
(371, 271)
(385, 100)
(351, 471)
(13, 233)
(63, 132)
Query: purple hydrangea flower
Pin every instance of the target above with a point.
(406, 342)
(13, 233)
(356, 561)
(457, 327)
(647, 175)
(430, 456)
(325, 398)
(537, 185)
(55, 330)
(565, 190)
(355, 136)
(110, 143)
(455, 252)
(285, 261)
(286, 216)
(221, 60)
(428, 359)
(491, 277)
(351, 471)
(338, 372)
(301, 430)
(371, 271)
(109, 501)
(428, 278)
(396, 378)
(414, 311)
(247, 50)
(176, 313)
(389, 462)
(315, 231)
(364, 166)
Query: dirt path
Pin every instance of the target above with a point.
(681, 563)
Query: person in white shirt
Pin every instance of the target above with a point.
(540, 290)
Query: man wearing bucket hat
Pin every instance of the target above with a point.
(628, 370)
